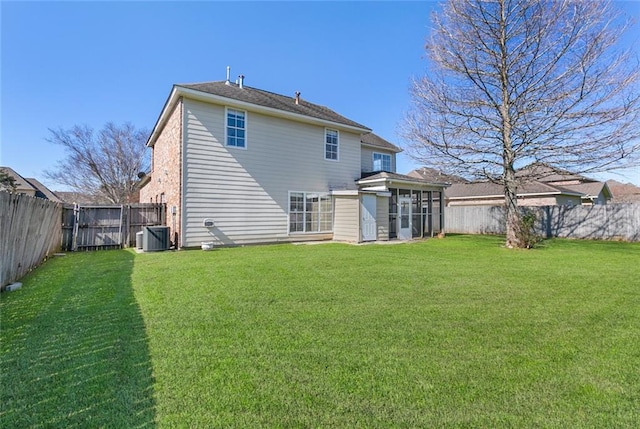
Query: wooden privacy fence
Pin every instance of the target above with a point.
(104, 227)
(601, 222)
(30, 231)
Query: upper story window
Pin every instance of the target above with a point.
(331, 139)
(381, 162)
(236, 128)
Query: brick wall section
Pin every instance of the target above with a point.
(166, 171)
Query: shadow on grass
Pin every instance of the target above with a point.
(74, 351)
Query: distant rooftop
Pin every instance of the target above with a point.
(433, 175)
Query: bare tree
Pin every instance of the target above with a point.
(103, 164)
(514, 82)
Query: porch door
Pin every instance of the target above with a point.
(404, 218)
(368, 217)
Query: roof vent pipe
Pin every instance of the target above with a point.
(241, 81)
(228, 76)
(297, 97)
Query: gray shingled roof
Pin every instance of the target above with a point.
(41, 190)
(372, 139)
(545, 173)
(20, 182)
(272, 100)
(591, 189)
(486, 189)
(433, 175)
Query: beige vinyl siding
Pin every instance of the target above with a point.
(559, 200)
(246, 191)
(346, 218)
(382, 218)
(366, 159)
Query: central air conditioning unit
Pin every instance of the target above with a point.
(155, 238)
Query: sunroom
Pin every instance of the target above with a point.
(389, 206)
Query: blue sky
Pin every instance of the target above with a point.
(67, 63)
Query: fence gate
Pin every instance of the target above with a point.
(106, 227)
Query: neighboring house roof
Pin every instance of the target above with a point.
(623, 192)
(30, 186)
(21, 184)
(373, 140)
(546, 173)
(433, 175)
(80, 198)
(536, 180)
(591, 190)
(42, 191)
(494, 190)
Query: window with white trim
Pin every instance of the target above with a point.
(310, 212)
(236, 128)
(331, 141)
(381, 162)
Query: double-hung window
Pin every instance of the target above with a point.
(381, 162)
(310, 212)
(331, 141)
(236, 128)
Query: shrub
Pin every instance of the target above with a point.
(526, 230)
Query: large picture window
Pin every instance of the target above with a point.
(310, 212)
(236, 128)
(331, 141)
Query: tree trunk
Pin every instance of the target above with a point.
(513, 217)
(508, 153)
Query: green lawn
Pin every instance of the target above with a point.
(457, 332)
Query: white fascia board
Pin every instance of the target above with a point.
(375, 189)
(367, 181)
(400, 182)
(164, 116)
(206, 97)
(347, 193)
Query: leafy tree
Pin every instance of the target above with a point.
(103, 164)
(514, 82)
(7, 182)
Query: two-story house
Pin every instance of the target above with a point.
(238, 165)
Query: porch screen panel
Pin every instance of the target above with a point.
(393, 213)
(416, 210)
(437, 212)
